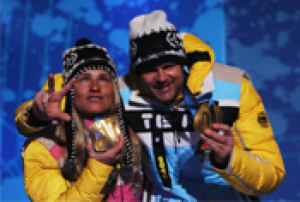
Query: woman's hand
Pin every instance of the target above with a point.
(111, 156)
(46, 104)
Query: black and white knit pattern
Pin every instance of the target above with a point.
(78, 55)
(124, 129)
(156, 45)
(153, 37)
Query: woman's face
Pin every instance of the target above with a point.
(93, 93)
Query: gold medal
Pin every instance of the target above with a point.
(205, 116)
(105, 133)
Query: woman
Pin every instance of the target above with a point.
(60, 161)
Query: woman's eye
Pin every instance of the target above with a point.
(84, 78)
(105, 79)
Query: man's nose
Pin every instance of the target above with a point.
(161, 75)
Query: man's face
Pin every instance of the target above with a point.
(164, 81)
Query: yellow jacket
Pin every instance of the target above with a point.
(42, 172)
(44, 182)
(255, 166)
(22, 110)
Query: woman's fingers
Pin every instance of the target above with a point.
(40, 105)
(44, 100)
(109, 157)
(119, 147)
(89, 146)
(67, 87)
(51, 83)
(62, 116)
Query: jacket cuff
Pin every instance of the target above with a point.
(233, 173)
(94, 165)
(24, 119)
(229, 165)
(34, 121)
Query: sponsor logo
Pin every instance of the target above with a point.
(262, 119)
(163, 121)
(162, 167)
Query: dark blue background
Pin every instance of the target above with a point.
(261, 37)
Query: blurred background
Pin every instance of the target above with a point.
(261, 37)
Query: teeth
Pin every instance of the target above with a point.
(94, 98)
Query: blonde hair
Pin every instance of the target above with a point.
(114, 108)
(80, 141)
(82, 133)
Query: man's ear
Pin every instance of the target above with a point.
(138, 84)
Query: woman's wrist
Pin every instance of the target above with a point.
(33, 120)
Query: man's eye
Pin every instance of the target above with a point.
(149, 70)
(168, 66)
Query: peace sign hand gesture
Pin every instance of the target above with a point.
(46, 103)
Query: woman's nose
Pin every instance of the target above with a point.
(95, 86)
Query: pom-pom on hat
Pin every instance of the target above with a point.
(88, 56)
(154, 40)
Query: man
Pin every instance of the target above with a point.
(244, 161)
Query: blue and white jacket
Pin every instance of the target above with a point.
(176, 171)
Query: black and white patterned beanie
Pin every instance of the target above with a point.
(88, 56)
(154, 40)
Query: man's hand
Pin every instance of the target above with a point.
(221, 145)
(111, 156)
(46, 104)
